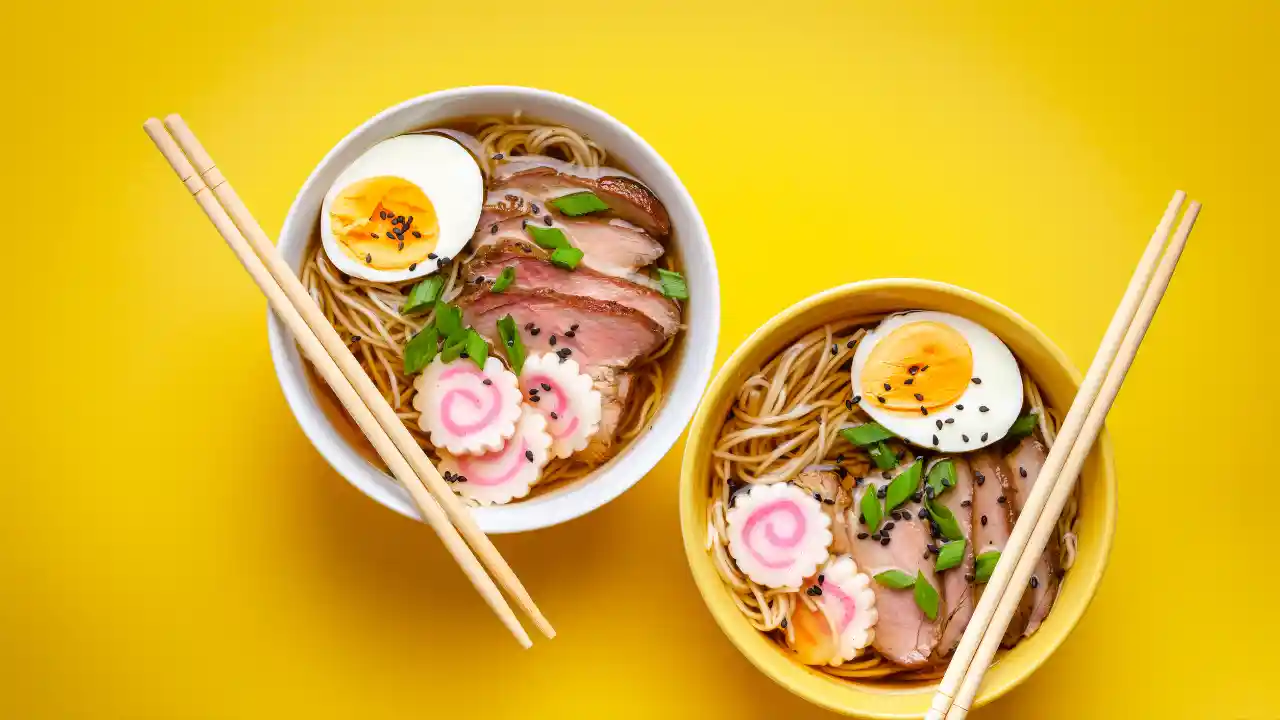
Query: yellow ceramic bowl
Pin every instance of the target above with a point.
(1057, 380)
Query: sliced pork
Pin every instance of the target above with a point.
(538, 179)
(593, 332)
(534, 273)
(825, 486)
(612, 247)
(993, 518)
(904, 634)
(957, 583)
(1023, 465)
(615, 388)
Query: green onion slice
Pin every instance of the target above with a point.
(420, 350)
(505, 278)
(949, 555)
(672, 284)
(985, 564)
(903, 486)
(946, 521)
(566, 257)
(477, 348)
(926, 596)
(453, 349)
(548, 237)
(895, 579)
(509, 334)
(870, 505)
(942, 476)
(883, 456)
(449, 321)
(1024, 426)
(423, 296)
(868, 434)
(579, 203)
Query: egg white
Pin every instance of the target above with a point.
(1000, 390)
(447, 174)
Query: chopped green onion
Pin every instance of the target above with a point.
(423, 296)
(453, 349)
(985, 564)
(566, 257)
(946, 521)
(942, 476)
(547, 237)
(1024, 426)
(449, 321)
(870, 505)
(673, 284)
(477, 348)
(903, 486)
(505, 278)
(926, 596)
(883, 456)
(895, 579)
(420, 350)
(949, 555)
(868, 434)
(511, 343)
(579, 203)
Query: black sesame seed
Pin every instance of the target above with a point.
(929, 492)
(817, 497)
(888, 526)
(966, 503)
(487, 381)
(1035, 582)
(983, 408)
(913, 369)
(884, 541)
(546, 220)
(400, 246)
(887, 387)
(573, 326)
(909, 381)
(817, 590)
(533, 391)
(862, 536)
(783, 625)
(528, 326)
(935, 439)
(552, 341)
(959, 407)
(923, 513)
(828, 501)
(848, 404)
(534, 332)
(546, 386)
(368, 258)
(984, 520)
(875, 536)
(1001, 500)
(417, 234)
(881, 491)
(479, 279)
(1022, 471)
(373, 235)
(834, 349)
(919, 397)
(431, 256)
(524, 224)
(979, 476)
(534, 208)
(464, 354)
(355, 338)
(933, 549)
(570, 333)
(528, 455)
(564, 352)
(938, 423)
(534, 399)
(849, 345)
(856, 399)
(924, 410)
(413, 266)
(966, 439)
(880, 398)
(498, 156)
(950, 420)
(926, 367)
(984, 437)
(970, 577)
(821, 579)
(555, 416)
(918, 496)
(977, 381)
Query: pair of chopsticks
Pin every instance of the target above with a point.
(321, 344)
(981, 639)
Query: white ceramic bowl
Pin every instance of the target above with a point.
(702, 311)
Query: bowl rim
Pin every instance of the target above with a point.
(786, 672)
(622, 471)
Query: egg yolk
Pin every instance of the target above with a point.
(386, 223)
(923, 364)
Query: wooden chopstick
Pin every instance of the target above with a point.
(1046, 523)
(1057, 478)
(323, 358)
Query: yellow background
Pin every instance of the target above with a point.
(172, 547)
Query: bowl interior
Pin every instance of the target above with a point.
(689, 241)
(1057, 380)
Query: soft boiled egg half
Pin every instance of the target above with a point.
(400, 207)
(938, 381)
